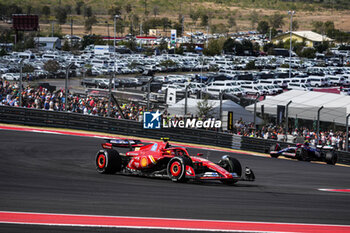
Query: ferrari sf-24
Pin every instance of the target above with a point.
(160, 159)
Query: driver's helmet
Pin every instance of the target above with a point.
(306, 143)
(180, 153)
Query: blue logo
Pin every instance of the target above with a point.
(151, 120)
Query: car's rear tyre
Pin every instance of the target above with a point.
(108, 161)
(176, 168)
(331, 158)
(274, 148)
(231, 165)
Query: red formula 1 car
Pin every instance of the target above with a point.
(160, 159)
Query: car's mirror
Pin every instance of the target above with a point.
(200, 154)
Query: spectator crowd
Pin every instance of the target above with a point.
(327, 137)
(42, 98)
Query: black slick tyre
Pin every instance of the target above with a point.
(231, 165)
(108, 161)
(331, 158)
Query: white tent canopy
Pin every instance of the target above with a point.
(227, 105)
(305, 105)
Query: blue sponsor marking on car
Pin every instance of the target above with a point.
(154, 147)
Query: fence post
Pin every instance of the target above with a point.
(318, 124)
(287, 118)
(347, 133)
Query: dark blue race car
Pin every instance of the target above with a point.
(304, 152)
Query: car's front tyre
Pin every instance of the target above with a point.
(231, 165)
(176, 169)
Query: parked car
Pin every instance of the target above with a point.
(10, 77)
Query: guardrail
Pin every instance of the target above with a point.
(44, 118)
(35, 117)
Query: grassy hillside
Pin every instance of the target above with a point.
(235, 15)
(102, 6)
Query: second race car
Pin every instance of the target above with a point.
(160, 159)
(304, 152)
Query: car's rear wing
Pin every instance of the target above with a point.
(131, 143)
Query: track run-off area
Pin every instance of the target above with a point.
(49, 184)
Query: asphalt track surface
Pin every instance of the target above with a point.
(50, 173)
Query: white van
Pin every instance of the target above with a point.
(299, 86)
(26, 55)
(317, 81)
(48, 56)
(99, 63)
(300, 80)
(223, 84)
(268, 81)
(254, 90)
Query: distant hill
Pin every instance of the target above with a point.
(222, 15)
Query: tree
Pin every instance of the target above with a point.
(168, 63)
(263, 27)
(131, 44)
(3, 52)
(295, 25)
(204, 109)
(88, 12)
(308, 53)
(45, 10)
(231, 22)
(215, 47)
(250, 65)
(27, 68)
(219, 28)
(276, 20)
(89, 22)
(204, 20)
(128, 8)
(9, 10)
(145, 8)
(91, 39)
(61, 15)
(194, 15)
(116, 10)
(78, 6)
(155, 11)
(322, 47)
(29, 9)
(228, 45)
(233, 46)
(178, 28)
(166, 23)
(51, 66)
(268, 47)
(68, 9)
(66, 46)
